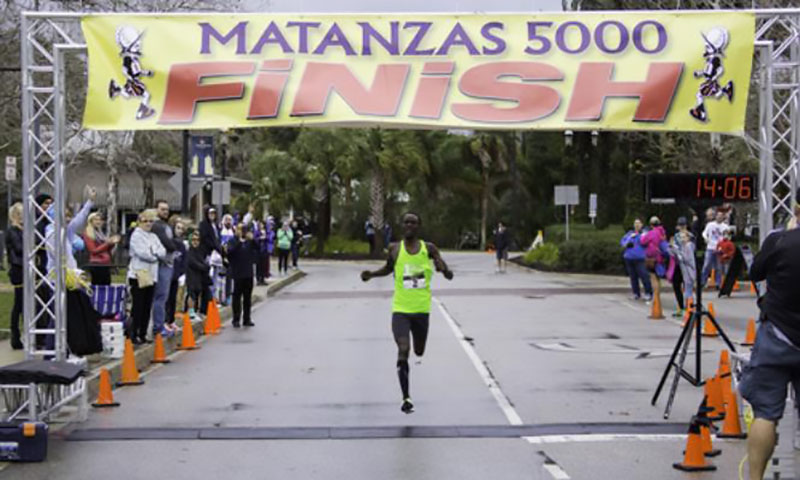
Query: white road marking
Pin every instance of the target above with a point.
(553, 468)
(502, 400)
(600, 437)
(556, 471)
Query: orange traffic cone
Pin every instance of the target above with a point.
(713, 391)
(736, 286)
(689, 312)
(724, 363)
(724, 374)
(709, 329)
(705, 430)
(104, 396)
(750, 336)
(208, 324)
(712, 280)
(130, 375)
(159, 353)
(187, 339)
(731, 427)
(213, 315)
(694, 460)
(753, 289)
(656, 313)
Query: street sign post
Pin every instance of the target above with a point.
(11, 168)
(11, 176)
(221, 192)
(567, 195)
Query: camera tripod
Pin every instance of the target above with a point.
(693, 326)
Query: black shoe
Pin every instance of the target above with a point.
(235, 324)
(249, 324)
(728, 90)
(16, 344)
(136, 341)
(113, 89)
(407, 407)
(146, 340)
(699, 113)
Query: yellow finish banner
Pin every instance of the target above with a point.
(636, 70)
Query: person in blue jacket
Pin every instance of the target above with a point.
(634, 255)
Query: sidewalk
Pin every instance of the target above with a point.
(144, 352)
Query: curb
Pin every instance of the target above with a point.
(144, 354)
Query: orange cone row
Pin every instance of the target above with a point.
(719, 402)
(130, 374)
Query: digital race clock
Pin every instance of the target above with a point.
(668, 188)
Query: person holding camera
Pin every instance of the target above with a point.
(633, 255)
(242, 257)
(775, 360)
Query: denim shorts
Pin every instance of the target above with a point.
(773, 364)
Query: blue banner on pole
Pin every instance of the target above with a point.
(201, 155)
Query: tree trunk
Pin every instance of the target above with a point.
(377, 201)
(484, 206)
(113, 194)
(323, 217)
(148, 193)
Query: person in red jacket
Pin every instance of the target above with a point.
(726, 249)
(100, 248)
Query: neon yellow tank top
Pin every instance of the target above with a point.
(412, 281)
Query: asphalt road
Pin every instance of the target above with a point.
(527, 375)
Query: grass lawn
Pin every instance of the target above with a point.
(341, 245)
(6, 302)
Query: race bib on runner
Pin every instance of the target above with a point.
(413, 277)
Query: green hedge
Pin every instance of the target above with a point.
(596, 256)
(600, 256)
(545, 256)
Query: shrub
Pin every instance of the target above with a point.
(340, 245)
(596, 256)
(546, 255)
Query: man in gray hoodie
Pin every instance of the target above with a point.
(162, 229)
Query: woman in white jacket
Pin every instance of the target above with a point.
(145, 251)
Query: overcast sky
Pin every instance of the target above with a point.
(411, 6)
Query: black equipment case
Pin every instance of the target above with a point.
(23, 442)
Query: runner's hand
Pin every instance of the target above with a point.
(448, 274)
(365, 275)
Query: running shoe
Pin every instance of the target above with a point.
(677, 313)
(407, 407)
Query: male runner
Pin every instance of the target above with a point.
(410, 261)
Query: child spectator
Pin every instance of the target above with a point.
(198, 279)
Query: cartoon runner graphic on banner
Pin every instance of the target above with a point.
(716, 41)
(129, 41)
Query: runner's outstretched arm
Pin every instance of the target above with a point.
(387, 269)
(439, 262)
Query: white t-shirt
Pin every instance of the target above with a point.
(713, 233)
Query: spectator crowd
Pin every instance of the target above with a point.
(651, 255)
(173, 266)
